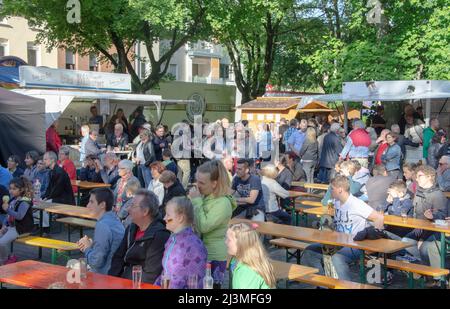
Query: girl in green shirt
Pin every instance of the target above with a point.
(250, 265)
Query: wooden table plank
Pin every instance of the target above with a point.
(416, 224)
(318, 186)
(89, 185)
(391, 220)
(67, 210)
(326, 237)
(39, 275)
(295, 194)
(289, 271)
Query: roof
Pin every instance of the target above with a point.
(272, 103)
(283, 103)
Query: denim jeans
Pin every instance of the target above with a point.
(324, 174)
(281, 215)
(312, 256)
(429, 251)
(144, 175)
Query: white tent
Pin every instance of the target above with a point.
(402, 90)
(56, 101)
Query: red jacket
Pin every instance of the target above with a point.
(360, 137)
(53, 141)
(380, 150)
(71, 170)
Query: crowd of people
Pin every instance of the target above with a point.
(171, 215)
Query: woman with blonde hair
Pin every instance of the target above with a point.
(250, 265)
(309, 153)
(213, 207)
(271, 190)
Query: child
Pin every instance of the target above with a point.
(347, 169)
(250, 265)
(398, 201)
(131, 188)
(19, 218)
(167, 161)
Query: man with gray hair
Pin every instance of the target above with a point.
(357, 145)
(144, 240)
(330, 153)
(443, 173)
(402, 141)
(68, 165)
(59, 189)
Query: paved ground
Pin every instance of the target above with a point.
(24, 252)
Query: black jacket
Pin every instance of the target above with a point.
(59, 189)
(148, 252)
(157, 141)
(175, 190)
(122, 143)
(27, 223)
(149, 152)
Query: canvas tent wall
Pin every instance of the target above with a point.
(22, 123)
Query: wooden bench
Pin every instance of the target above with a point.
(332, 283)
(57, 246)
(412, 269)
(287, 244)
(77, 222)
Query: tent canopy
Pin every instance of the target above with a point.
(22, 119)
(400, 90)
(56, 101)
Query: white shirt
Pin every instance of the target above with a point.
(272, 189)
(140, 153)
(158, 188)
(351, 217)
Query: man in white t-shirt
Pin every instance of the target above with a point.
(352, 215)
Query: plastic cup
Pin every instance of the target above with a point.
(137, 276)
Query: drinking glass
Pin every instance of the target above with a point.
(165, 281)
(83, 268)
(137, 276)
(404, 214)
(192, 282)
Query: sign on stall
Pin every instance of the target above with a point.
(39, 77)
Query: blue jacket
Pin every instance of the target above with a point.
(392, 157)
(5, 177)
(398, 204)
(108, 235)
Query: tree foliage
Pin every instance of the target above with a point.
(113, 27)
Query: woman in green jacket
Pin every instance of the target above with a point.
(250, 265)
(213, 206)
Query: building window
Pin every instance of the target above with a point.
(3, 47)
(172, 70)
(93, 65)
(224, 71)
(70, 60)
(32, 54)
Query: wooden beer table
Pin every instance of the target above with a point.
(39, 275)
(307, 185)
(87, 185)
(332, 238)
(411, 223)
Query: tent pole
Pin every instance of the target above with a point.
(346, 116)
(428, 107)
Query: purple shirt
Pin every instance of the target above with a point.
(184, 255)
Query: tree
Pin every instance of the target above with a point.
(250, 30)
(411, 42)
(118, 24)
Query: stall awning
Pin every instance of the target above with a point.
(56, 101)
(396, 90)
